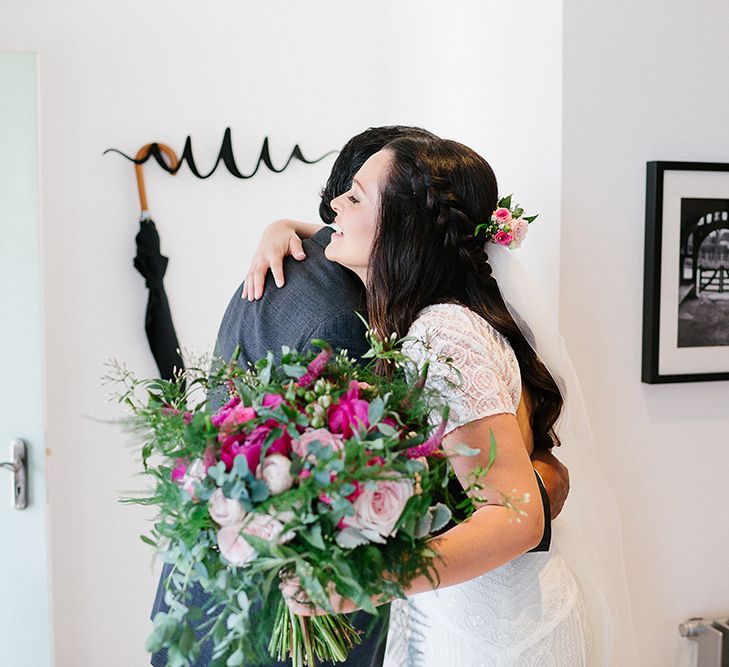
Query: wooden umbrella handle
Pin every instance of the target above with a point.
(142, 153)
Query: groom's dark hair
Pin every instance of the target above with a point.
(354, 155)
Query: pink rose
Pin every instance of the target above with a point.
(349, 412)
(272, 401)
(502, 215)
(377, 510)
(265, 527)
(225, 511)
(322, 435)
(519, 229)
(275, 471)
(193, 475)
(234, 548)
(219, 417)
(235, 417)
(503, 238)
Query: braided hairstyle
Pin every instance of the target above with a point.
(425, 252)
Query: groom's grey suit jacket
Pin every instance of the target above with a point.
(319, 300)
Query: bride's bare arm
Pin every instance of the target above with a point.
(280, 238)
(496, 533)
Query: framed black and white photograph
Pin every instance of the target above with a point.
(686, 280)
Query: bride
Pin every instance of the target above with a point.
(408, 229)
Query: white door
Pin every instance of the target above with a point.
(24, 586)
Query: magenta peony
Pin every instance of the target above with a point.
(349, 413)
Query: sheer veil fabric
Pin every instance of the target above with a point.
(588, 531)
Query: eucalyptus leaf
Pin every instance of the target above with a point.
(265, 374)
(376, 410)
(240, 466)
(294, 371)
(387, 430)
(441, 517)
(349, 538)
(423, 525)
(462, 449)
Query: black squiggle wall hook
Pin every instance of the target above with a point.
(225, 155)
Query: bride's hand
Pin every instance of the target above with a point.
(279, 240)
(298, 601)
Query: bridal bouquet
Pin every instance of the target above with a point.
(315, 468)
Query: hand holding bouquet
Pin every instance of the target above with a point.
(311, 471)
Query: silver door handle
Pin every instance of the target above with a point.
(18, 466)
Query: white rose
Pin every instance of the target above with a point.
(275, 471)
(377, 510)
(225, 511)
(234, 548)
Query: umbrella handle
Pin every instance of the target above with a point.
(142, 154)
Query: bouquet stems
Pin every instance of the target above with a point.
(306, 639)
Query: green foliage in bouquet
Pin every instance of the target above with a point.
(313, 467)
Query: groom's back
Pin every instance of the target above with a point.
(319, 300)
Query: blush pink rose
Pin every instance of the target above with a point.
(235, 417)
(265, 527)
(377, 510)
(322, 435)
(349, 412)
(194, 474)
(233, 547)
(519, 229)
(223, 510)
(502, 215)
(275, 471)
(503, 238)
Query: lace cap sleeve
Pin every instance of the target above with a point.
(472, 366)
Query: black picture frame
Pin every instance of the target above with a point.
(653, 299)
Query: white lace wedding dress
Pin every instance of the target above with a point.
(528, 612)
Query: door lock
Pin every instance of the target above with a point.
(18, 466)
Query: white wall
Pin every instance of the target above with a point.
(124, 74)
(644, 81)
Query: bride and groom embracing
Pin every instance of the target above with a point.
(407, 207)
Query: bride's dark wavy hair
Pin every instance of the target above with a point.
(425, 252)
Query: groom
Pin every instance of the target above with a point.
(319, 301)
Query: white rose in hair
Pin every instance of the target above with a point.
(234, 548)
(225, 511)
(378, 509)
(275, 471)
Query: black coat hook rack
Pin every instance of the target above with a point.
(225, 156)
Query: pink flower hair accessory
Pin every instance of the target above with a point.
(507, 226)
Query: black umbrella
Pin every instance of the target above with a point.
(152, 264)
